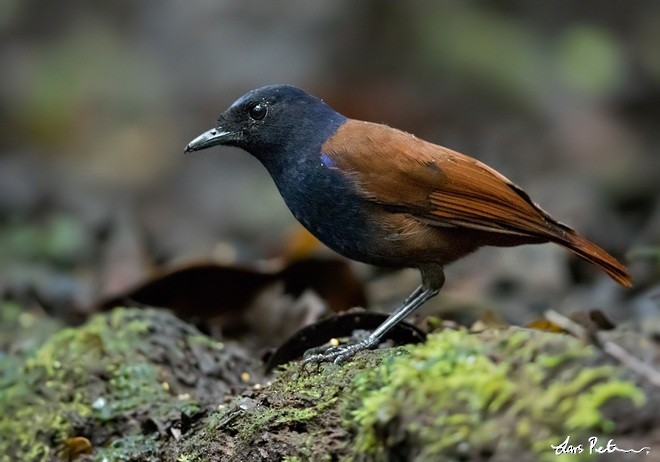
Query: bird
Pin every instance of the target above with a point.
(385, 197)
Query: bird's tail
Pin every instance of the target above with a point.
(594, 254)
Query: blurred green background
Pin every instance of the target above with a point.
(98, 99)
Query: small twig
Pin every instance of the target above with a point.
(617, 352)
(565, 323)
(613, 349)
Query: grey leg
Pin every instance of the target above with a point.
(415, 293)
(432, 280)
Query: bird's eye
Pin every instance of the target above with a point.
(258, 111)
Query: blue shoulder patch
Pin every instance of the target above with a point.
(327, 161)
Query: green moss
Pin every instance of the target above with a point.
(508, 392)
(130, 448)
(296, 416)
(22, 331)
(461, 395)
(100, 380)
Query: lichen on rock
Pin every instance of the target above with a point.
(140, 384)
(500, 393)
(120, 381)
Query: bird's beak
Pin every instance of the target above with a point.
(210, 138)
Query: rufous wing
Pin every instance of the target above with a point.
(446, 188)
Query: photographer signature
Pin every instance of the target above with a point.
(594, 447)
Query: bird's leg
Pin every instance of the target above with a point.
(414, 294)
(432, 280)
(324, 348)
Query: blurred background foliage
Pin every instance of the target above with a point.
(98, 99)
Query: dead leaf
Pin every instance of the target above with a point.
(75, 447)
(205, 290)
(340, 326)
(544, 325)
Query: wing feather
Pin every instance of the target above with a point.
(441, 187)
(437, 184)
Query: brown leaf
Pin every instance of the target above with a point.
(544, 325)
(75, 447)
(210, 290)
(343, 325)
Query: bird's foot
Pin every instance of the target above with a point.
(337, 354)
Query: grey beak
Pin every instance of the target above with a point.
(210, 138)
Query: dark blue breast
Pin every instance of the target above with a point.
(321, 196)
(325, 201)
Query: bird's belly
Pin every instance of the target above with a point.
(370, 234)
(341, 225)
(328, 206)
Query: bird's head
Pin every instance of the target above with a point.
(272, 121)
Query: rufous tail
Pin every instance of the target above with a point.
(594, 254)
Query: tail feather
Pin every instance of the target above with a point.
(594, 254)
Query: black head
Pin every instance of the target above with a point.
(272, 121)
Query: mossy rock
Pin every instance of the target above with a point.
(141, 385)
(498, 395)
(122, 381)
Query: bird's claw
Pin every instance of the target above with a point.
(337, 354)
